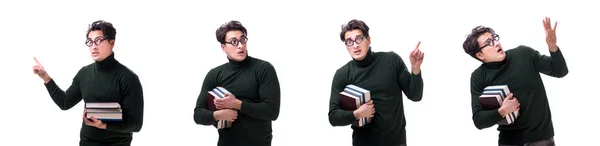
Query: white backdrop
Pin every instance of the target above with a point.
(172, 45)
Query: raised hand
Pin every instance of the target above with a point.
(416, 59)
(550, 34)
(40, 71)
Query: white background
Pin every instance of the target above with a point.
(172, 45)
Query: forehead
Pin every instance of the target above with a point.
(234, 34)
(95, 33)
(483, 37)
(352, 33)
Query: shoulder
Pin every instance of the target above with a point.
(521, 49)
(262, 65)
(127, 74)
(390, 55)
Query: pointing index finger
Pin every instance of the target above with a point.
(418, 44)
(36, 61)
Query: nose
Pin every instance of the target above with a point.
(241, 46)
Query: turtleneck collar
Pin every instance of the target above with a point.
(108, 63)
(497, 64)
(367, 60)
(238, 64)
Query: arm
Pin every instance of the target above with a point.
(553, 65)
(269, 90)
(481, 117)
(338, 116)
(411, 84)
(202, 115)
(132, 106)
(65, 100)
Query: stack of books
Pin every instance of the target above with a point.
(218, 92)
(353, 97)
(492, 98)
(104, 111)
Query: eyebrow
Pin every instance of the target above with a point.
(236, 37)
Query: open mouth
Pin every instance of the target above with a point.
(95, 53)
(241, 52)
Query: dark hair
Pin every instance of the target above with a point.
(232, 25)
(107, 29)
(352, 25)
(471, 46)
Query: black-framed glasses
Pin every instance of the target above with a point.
(97, 41)
(491, 41)
(235, 42)
(358, 39)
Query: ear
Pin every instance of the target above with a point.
(223, 47)
(480, 56)
(368, 40)
(112, 44)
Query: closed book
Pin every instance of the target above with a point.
(218, 92)
(104, 111)
(361, 96)
(502, 91)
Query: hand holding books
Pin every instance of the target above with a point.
(226, 114)
(225, 105)
(366, 110)
(93, 121)
(228, 102)
(509, 105)
(499, 97)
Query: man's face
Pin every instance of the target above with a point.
(100, 47)
(235, 45)
(357, 44)
(491, 50)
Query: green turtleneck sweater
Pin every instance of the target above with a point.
(520, 70)
(104, 81)
(386, 76)
(255, 83)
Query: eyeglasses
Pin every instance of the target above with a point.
(236, 42)
(491, 41)
(97, 41)
(358, 39)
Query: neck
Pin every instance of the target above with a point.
(238, 64)
(365, 61)
(496, 64)
(108, 63)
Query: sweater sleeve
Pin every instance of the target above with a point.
(132, 106)
(66, 100)
(202, 115)
(338, 116)
(481, 117)
(553, 65)
(411, 84)
(269, 91)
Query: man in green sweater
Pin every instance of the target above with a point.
(520, 69)
(255, 95)
(387, 77)
(105, 80)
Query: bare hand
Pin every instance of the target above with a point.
(416, 59)
(94, 122)
(509, 105)
(228, 102)
(40, 71)
(226, 114)
(366, 110)
(550, 34)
